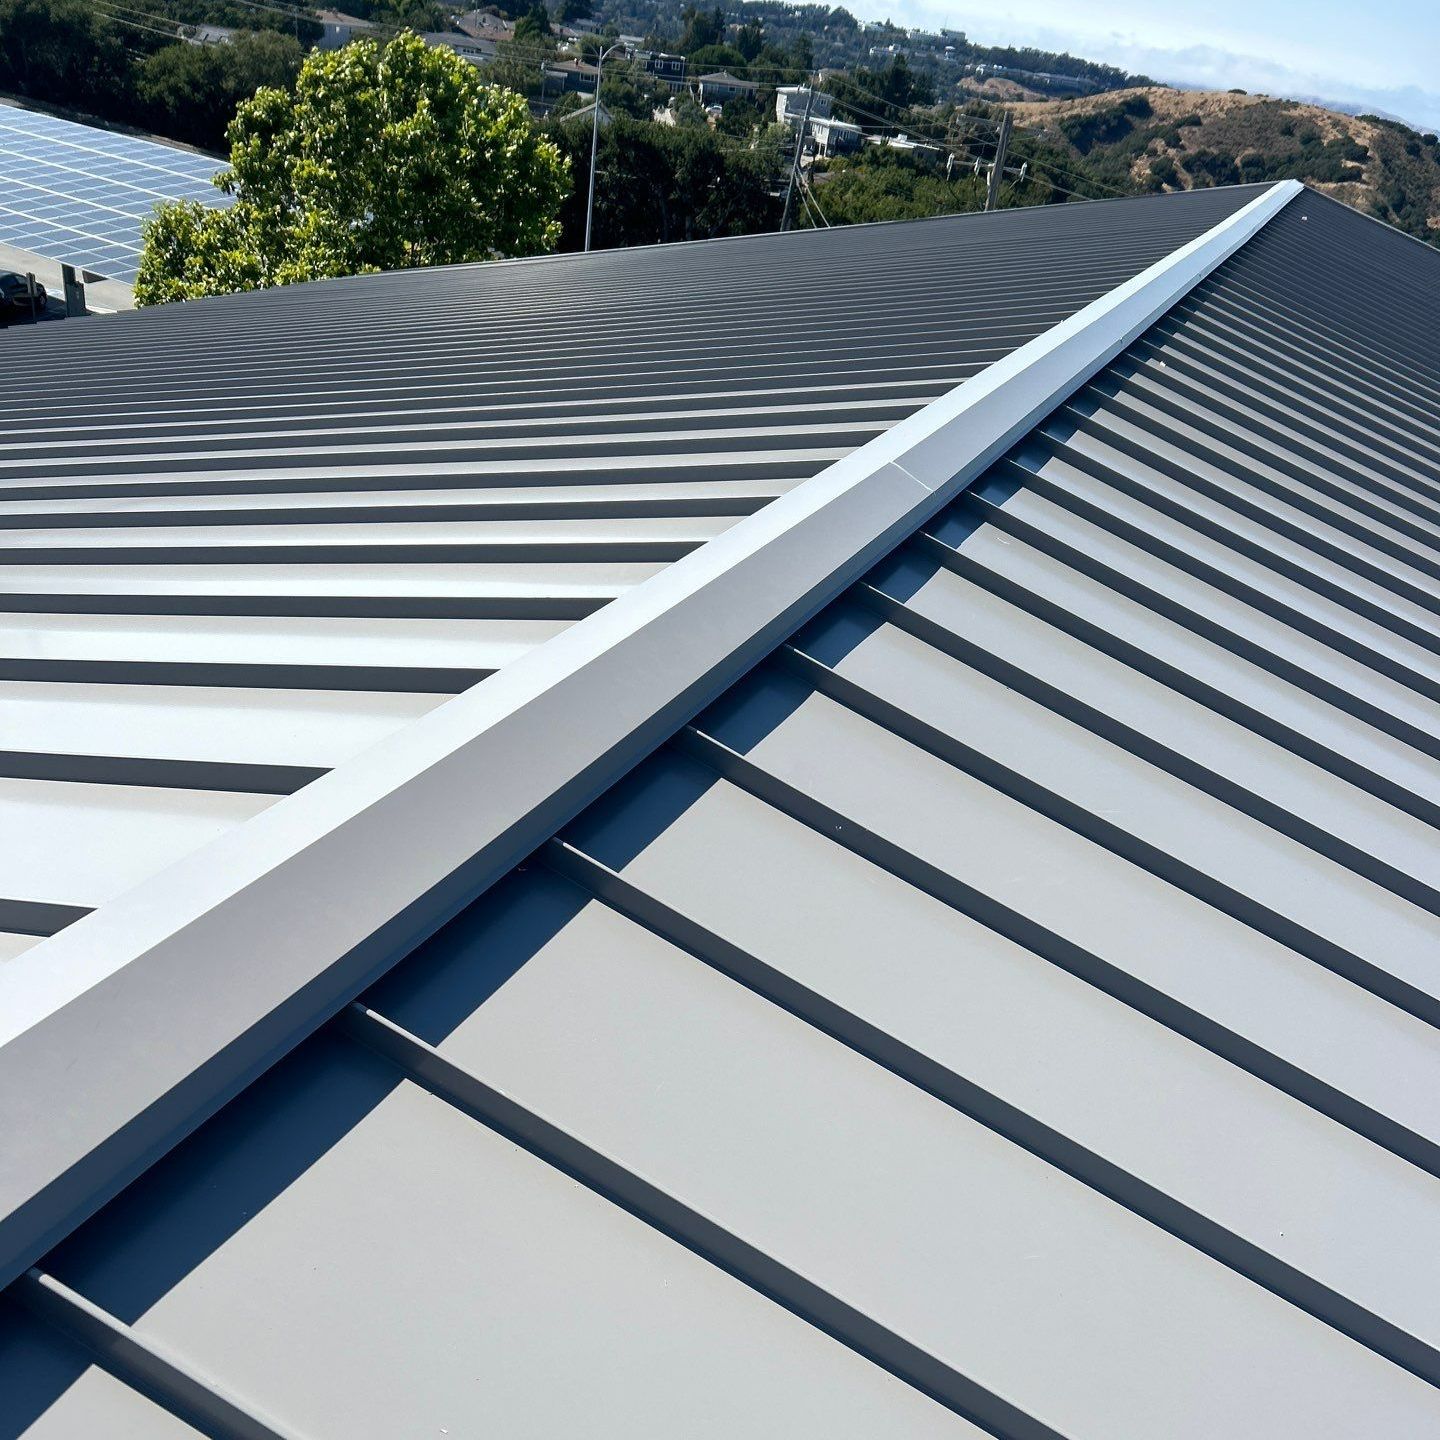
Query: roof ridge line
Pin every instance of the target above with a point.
(129, 1028)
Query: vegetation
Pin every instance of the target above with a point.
(190, 92)
(381, 157)
(303, 130)
(66, 53)
(660, 182)
(880, 184)
(868, 95)
(1161, 139)
(1088, 128)
(837, 39)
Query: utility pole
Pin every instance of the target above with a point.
(595, 142)
(795, 163)
(997, 170)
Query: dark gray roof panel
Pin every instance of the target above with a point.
(391, 486)
(1022, 975)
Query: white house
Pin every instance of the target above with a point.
(790, 105)
(337, 29)
(835, 137)
(469, 47)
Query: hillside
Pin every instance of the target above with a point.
(1160, 138)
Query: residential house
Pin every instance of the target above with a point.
(484, 25)
(468, 47)
(586, 115)
(561, 77)
(835, 137)
(337, 29)
(720, 86)
(670, 69)
(790, 105)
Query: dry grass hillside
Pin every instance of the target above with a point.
(1158, 138)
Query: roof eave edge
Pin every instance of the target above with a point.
(124, 1032)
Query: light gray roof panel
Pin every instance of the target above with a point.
(357, 1166)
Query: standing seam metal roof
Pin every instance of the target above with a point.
(243, 539)
(1021, 975)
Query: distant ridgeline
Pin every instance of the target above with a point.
(838, 38)
(1168, 139)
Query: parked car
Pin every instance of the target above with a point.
(15, 299)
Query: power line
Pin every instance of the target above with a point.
(1075, 175)
(107, 9)
(136, 25)
(289, 11)
(812, 201)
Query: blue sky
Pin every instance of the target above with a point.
(1381, 53)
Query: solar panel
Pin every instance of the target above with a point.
(77, 194)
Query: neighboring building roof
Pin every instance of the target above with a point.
(485, 22)
(724, 77)
(464, 44)
(976, 969)
(587, 114)
(904, 142)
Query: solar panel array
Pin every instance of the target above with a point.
(76, 194)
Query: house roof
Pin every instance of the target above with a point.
(973, 969)
(485, 26)
(458, 40)
(724, 77)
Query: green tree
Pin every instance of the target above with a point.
(190, 92)
(716, 57)
(382, 158)
(66, 49)
(702, 28)
(520, 66)
(533, 25)
(660, 182)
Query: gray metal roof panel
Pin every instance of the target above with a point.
(412, 480)
(1039, 929)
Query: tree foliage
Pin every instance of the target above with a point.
(86, 59)
(702, 28)
(533, 25)
(883, 184)
(190, 92)
(382, 157)
(658, 182)
(63, 50)
(881, 93)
